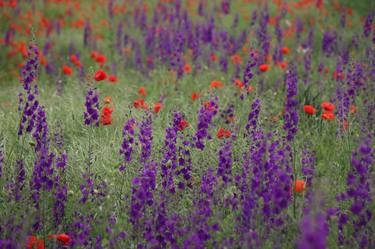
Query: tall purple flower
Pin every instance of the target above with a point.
(91, 115)
(314, 231)
(291, 113)
(329, 43)
(359, 194)
(127, 142)
(142, 195)
(87, 33)
(200, 229)
(60, 198)
(368, 24)
(225, 6)
(248, 74)
(169, 162)
(30, 104)
(145, 137)
(224, 168)
(20, 179)
(206, 113)
(2, 155)
(252, 119)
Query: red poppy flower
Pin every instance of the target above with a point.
(250, 89)
(263, 68)
(236, 59)
(105, 117)
(157, 107)
(299, 186)
(100, 58)
(34, 243)
(352, 109)
(328, 115)
(182, 125)
(73, 58)
(77, 63)
(328, 106)
(94, 55)
(112, 78)
(187, 68)
(309, 109)
(213, 57)
(227, 133)
(67, 70)
(223, 133)
(220, 133)
(283, 64)
(195, 95)
(63, 238)
(285, 50)
(216, 84)
(338, 75)
(142, 91)
(100, 75)
(239, 83)
(140, 103)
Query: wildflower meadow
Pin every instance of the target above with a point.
(152, 124)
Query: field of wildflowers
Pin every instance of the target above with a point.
(187, 124)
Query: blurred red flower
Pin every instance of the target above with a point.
(182, 125)
(100, 75)
(328, 115)
(67, 70)
(157, 107)
(263, 67)
(328, 106)
(309, 109)
(142, 91)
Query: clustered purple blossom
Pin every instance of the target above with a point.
(358, 193)
(267, 180)
(91, 115)
(145, 137)
(367, 26)
(329, 43)
(224, 168)
(142, 196)
(169, 162)
(252, 119)
(2, 156)
(61, 196)
(127, 142)
(200, 229)
(206, 114)
(291, 113)
(27, 101)
(20, 179)
(248, 74)
(314, 231)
